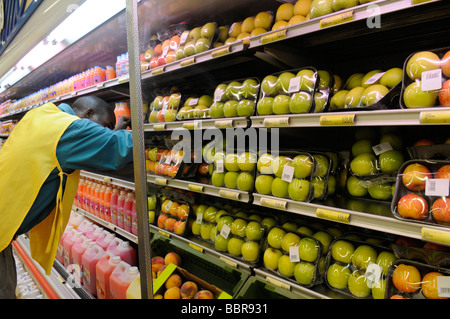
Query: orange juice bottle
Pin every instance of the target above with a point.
(103, 74)
(93, 198)
(102, 202)
(120, 110)
(97, 75)
(113, 204)
(107, 204)
(110, 72)
(87, 196)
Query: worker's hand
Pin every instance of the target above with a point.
(123, 123)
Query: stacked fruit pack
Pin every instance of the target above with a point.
(195, 108)
(164, 108)
(173, 216)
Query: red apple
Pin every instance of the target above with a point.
(161, 60)
(424, 141)
(414, 176)
(153, 62)
(445, 64)
(443, 172)
(444, 94)
(412, 206)
(441, 210)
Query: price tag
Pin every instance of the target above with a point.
(224, 124)
(199, 219)
(197, 248)
(443, 286)
(374, 78)
(161, 181)
(101, 85)
(195, 188)
(229, 194)
(218, 94)
(186, 62)
(381, 148)
(294, 256)
(224, 295)
(225, 231)
(184, 37)
(158, 71)
(159, 127)
(278, 283)
(435, 117)
(326, 120)
(276, 122)
(431, 80)
(221, 51)
(294, 84)
(169, 203)
(333, 215)
(437, 187)
(163, 233)
(274, 36)
(373, 275)
(219, 166)
(438, 236)
(288, 173)
(273, 203)
(124, 79)
(337, 19)
(228, 262)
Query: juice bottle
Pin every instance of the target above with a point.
(134, 289)
(68, 243)
(110, 73)
(103, 269)
(105, 239)
(78, 249)
(134, 229)
(114, 198)
(128, 206)
(89, 260)
(120, 208)
(123, 249)
(103, 74)
(94, 232)
(75, 219)
(84, 226)
(101, 206)
(119, 66)
(97, 200)
(80, 192)
(60, 250)
(121, 109)
(90, 200)
(86, 196)
(97, 75)
(121, 279)
(107, 204)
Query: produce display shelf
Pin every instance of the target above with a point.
(236, 122)
(111, 180)
(201, 188)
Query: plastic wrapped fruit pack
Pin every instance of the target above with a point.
(408, 279)
(289, 92)
(196, 40)
(206, 218)
(250, 26)
(358, 269)
(374, 90)
(426, 79)
(173, 216)
(294, 256)
(195, 108)
(165, 108)
(236, 98)
(422, 192)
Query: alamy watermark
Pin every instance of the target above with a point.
(374, 19)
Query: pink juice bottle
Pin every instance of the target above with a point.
(60, 250)
(120, 208)
(103, 269)
(123, 249)
(105, 239)
(128, 206)
(89, 262)
(114, 198)
(94, 232)
(84, 227)
(121, 279)
(134, 229)
(68, 242)
(78, 250)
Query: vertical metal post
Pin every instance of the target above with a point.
(140, 174)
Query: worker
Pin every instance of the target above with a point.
(40, 165)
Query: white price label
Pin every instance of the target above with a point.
(193, 102)
(374, 78)
(168, 205)
(294, 85)
(199, 219)
(294, 255)
(225, 231)
(184, 37)
(443, 285)
(218, 94)
(168, 160)
(437, 187)
(432, 80)
(219, 166)
(288, 173)
(381, 148)
(373, 275)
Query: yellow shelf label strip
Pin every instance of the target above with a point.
(187, 62)
(333, 215)
(276, 122)
(158, 71)
(196, 188)
(159, 127)
(277, 283)
(435, 117)
(197, 248)
(273, 203)
(221, 51)
(160, 181)
(229, 194)
(274, 36)
(337, 19)
(224, 124)
(340, 119)
(439, 236)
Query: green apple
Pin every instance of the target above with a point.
(344, 4)
(210, 214)
(355, 187)
(230, 108)
(245, 181)
(290, 226)
(320, 100)
(290, 239)
(304, 273)
(247, 161)
(179, 53)
(230, 179)
(250, 251)
(319, 190)
(308, 249)
(362, 146)
(355, 80)
(384, 260)
(337, 276)
(342, 251)
(373, 94)
(305, 230)
(280, 188)
(281, 104)
(151, 216)
(300, 102)
(367, 76)
(195, 34)
(303, 166)
(254, 230)
(324, 79)
(379, 289)
(357, 284)
(336, 232)
(337, 85)
(232, 91)
(223, 33)
(196, 229)
(151, 202)
(275, 237)
(208, 30)
(364, 164)
(205, 100)
(245, 108)
(420, 62)
(414, 97)
(278, 164)
(321, 7)
(231, 162)
(283, 81)
(380, 191)
(221, 243)
(202, 45)
(205, 231)
(189, 48)
(219, 215)
(216, 110)
(392, 77)
(299, 189)
(263, 184)
(271, 257)
(213, 233)
(390, 161)
(353, 97)
(325, 238)
(235, 245)
(224, 220)
(217, 179)
(338, 100)
(307, 80)
(219, 93)
(268, 223)
(394, 140)
(268, 85)
(322, 165)
(250, 89)
(265, 106)
(264, 164)
(286, 266)
(363, 255)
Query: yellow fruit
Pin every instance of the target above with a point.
(302, 7)
(248, 25)
(257, 31)
(285, 12)
(243, 35)
(296, 19)
(279, 24)
(235, 30)
(263, 20)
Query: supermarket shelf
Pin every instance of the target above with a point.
(111, 180)
(235, 122)
(206, 189)
(131, 237)
(437, 234)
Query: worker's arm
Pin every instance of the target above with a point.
(87, 145)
